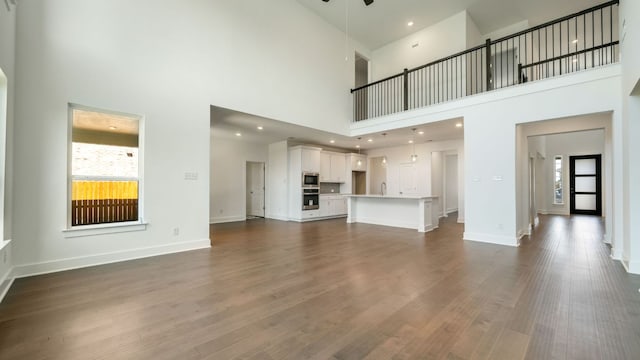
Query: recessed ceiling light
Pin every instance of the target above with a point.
(357, 146)
(260, 127)
(410, 23)
(410, 141)
(332, 141)
(238, 134)
(459, 125)
(370, 140)
(112, 128)
(575, 41)
(420, 132)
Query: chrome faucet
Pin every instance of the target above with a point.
(383, 188)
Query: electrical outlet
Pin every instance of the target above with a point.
(176, 231)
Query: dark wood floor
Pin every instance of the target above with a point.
(328, 290)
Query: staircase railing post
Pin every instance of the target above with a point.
(406, 89)
(488, 65)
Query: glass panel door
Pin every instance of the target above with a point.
(586, 185)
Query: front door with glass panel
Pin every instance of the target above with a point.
(586, 185)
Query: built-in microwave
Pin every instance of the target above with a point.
(310, 179)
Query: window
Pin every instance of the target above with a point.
(104, 182)
(557, 180)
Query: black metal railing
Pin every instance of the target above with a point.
(580, 41)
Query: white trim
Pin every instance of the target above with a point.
(449, 211)
(278, 217)
(492, 239)
(616, 254)
(47, 267)
(226, 219)
(633, 267)
(5, 279)
(5, 284)
(101, 229)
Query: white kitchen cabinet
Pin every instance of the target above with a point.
(340, 206)
(310, 159)
(333, 167)
(332, 206)
(325, 167)
(338, 167)
(325, 206)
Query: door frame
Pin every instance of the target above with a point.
(572, 180)
(264, 188)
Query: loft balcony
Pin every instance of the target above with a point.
(584, 40)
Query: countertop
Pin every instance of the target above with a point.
(408, 197)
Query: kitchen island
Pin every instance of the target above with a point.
(411, 212)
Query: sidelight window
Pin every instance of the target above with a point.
(558, 185)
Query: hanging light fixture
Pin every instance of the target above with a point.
(384, 157)
(414, 156)
(359, 162)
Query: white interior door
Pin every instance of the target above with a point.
(255, 189)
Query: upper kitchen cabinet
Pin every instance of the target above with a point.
(333, 167)
(310, 158)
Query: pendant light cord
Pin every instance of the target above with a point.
(346, 34)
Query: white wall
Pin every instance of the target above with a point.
(168, 63)
(507, 30)
(570, 144)
(490, 121)
(396, 156)
(451, 184)
(630, 56)
(7, 67)
(277, 181)
(228, 169)
(7, 87)
(474, 37)
(437, 41)
(538, 151)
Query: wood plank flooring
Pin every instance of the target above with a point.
(329, 290)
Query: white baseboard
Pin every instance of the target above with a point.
(278, 217)
(633, 267)
(492, 239)
(226, 219)
(26, 270)
(449, 211)
(616, 254)
(5, 284)
(6, 267)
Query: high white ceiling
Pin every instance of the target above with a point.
(225, 124)
(385, 21)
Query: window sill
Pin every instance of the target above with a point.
(100, 229)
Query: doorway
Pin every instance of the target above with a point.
(586, 184)
(450, 201)
(361, 79)
(378, 180)
(255, 189)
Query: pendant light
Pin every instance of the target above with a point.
(359, 162)
(384, 157)
(414, 156)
